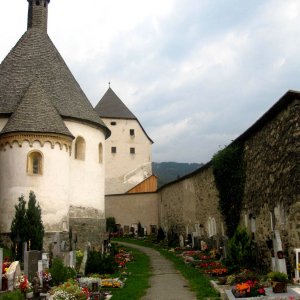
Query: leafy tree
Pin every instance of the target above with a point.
(35, 226)
(19, 226)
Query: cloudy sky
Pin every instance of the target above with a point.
(196, 73)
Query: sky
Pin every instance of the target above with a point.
(196, 73)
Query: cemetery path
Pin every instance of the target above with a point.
(166, 283)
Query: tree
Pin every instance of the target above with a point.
(27, 225)
(35, 226)
(18, 229)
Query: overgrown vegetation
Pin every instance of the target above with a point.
(111, 225)
(229, 174)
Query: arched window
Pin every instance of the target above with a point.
(100, 149)
(35, 163)
(80, 148)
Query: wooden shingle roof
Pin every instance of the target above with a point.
(35, 59)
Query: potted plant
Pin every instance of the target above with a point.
(279, 281)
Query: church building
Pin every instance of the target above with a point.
(128, 150)
(51, 138)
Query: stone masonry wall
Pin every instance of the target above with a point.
(272, 179)
(191, 202)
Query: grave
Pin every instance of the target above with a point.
(297, 265)
(278, 263)
(31, 262)
(12, 273)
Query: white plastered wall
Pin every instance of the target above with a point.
(87, 177)
(50, 188)
(125, 170)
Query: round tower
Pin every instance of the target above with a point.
(37, 14)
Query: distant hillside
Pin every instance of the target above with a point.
(170, 171)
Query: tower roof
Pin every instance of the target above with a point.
(35, 58)
(36, 113)
(111, 106)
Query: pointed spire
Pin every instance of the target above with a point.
(38, 14)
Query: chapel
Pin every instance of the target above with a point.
(51, 138)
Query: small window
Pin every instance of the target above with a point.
(132, 150)
(113, 149)
(113, 123)
(35, 163)
(80, 148)
(100, 149)
(131, 132)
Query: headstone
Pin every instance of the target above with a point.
(1, 264)
(280, 263)
(56, 245)
(63, 246)
(297, 269)
(45, 259)
(181, 241)
(12, 273)
(72, 262)
(83, 263)
(31, 259)
(40, 271)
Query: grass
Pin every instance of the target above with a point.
(199, 283)
(137, 283)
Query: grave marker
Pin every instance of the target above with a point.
(31, 260)
(12, 273)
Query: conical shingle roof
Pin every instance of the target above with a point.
(36, 58)
(36, 113)
(111, 106)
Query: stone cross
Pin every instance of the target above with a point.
(1, 263)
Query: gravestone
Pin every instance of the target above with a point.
(40, 271)
(12, 273)
(31, 259)
(45, 259)
(1, 264)
(297, 265)
(56, 245)
(83, 263)
(280, 262)
(181, 241)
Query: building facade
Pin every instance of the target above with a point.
(51, 138)
(128, 149)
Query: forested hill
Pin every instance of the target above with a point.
(170, 171)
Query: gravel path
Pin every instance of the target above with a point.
(166, 283)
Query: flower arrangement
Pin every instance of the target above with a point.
(22, 283)
(5, 265)
(46, 276)
(278, 276)
(248, 289)
(70, 290)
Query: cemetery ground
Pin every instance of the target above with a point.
(130, 271)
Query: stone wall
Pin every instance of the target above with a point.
(190, 204)
(272, 179)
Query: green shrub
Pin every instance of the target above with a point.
(60, 273)
(100, 263)
(239, 250)
(278, 276)
(15, 295)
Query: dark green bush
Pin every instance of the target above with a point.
(60, 273)
(100, 263)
